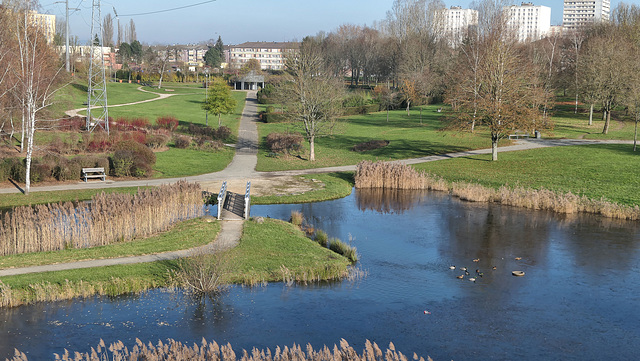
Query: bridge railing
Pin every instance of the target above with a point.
(247, 200)
(221, 197)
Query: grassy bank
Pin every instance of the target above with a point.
(174, 163)
(279, 251)
(8, 201)
(595, 171)
(336, 185)
(269, 252)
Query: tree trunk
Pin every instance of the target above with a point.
(387, 114)
(219, 120)
(607, 122)
(591, 115)
(312, 148)
(408, 106)
(635, 135)
(420, 116)
(494, 148)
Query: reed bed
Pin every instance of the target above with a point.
(212, 351)
(51, 292)
(107, 219)
(395, 176)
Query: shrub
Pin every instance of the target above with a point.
(73, 124)
(370, 145)
(222, 133)
(156, 141)
(69, 169)
(354, 100)
(132, 159)
(271, 109)
(169, 123)
(182, 142)
(284, 142)
(276, 117)
(264, 93)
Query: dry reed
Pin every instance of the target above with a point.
(212, 351)
(388, 175)
(107, 219)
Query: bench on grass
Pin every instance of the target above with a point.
(94, 173)
(518, 134)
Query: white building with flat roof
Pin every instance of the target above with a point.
(531, 22)
(271, 55)
(580, 12)
(453, 23)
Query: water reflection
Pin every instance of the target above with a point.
(577, 301)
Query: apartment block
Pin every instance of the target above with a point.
(580, 12)
(530, 22)
(271, 55)
(453, 23)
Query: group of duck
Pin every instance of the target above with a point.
(467, 273)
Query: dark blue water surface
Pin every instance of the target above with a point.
(579, 299)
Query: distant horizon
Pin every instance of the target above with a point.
(242, 20)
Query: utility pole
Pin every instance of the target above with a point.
(97, 87)
(66, 40)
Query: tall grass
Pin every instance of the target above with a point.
(211, 351)
(107, 219)
(387, 175)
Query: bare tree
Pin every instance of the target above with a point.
(35, 73)
(311, 95)
(120, 35)
(505, 100)
(107, 30)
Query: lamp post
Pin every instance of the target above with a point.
(206, 95)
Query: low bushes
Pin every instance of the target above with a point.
(169, 123)
(132, 159)
(273, 117)
(221, 133)
(284, 142)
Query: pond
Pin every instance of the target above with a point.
(578, 300)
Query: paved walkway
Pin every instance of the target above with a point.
(242, 168)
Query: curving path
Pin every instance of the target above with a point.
(74, 112)
(241, 169)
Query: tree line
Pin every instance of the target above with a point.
(490, 78)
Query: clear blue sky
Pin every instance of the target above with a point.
(238, 21)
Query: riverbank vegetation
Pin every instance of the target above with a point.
(520, 196)
(208, 351)
(109, 218)
(269, 251)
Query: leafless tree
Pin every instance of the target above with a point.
(311, 95)
(107, 30)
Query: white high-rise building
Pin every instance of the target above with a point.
(530, 22)
(581, 12)
(454, 23)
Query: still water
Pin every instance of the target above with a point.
(579, 299)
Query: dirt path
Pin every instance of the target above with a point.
(74, 112)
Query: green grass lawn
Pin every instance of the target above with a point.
(176, 162)
(184, 235)
(408, 139)
(571, 125)
(595, 171)
(265, 248)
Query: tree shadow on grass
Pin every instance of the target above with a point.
(81, 87)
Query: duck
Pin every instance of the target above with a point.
(463, 268)
(472, 279)
(518, 258)
(460, 277)
(476, 260)
(494, 268)
(452, 267)
(480, 274)
(466, 272)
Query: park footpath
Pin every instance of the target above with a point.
(242, 169)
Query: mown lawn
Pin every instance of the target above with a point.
(407, 136)
(596, 171)
(176, 162)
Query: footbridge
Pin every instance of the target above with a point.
(233, 206)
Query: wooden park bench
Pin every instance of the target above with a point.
(94, 173)
(518, 134)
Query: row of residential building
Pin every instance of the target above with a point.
(531, 22)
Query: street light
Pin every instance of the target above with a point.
(66, 41)
(206, 95)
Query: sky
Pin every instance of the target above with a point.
(237, 21)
